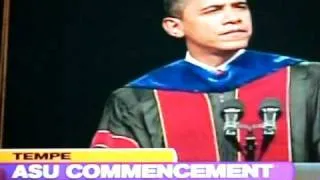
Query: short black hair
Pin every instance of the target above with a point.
(173, 8)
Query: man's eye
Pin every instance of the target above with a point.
(242, 6)
(213, 10)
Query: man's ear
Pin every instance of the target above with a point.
(173, 26)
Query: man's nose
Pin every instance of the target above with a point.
(231, 17)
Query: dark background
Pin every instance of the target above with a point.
(1, 12)
(65, 57)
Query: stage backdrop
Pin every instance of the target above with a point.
(65, 57)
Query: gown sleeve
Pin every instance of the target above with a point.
(315, 75)
(115, 129)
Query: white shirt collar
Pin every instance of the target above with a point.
(221, 67)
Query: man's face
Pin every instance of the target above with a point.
(218, 24)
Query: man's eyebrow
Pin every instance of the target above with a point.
(240, 3)
(219, 6)
(215, 6)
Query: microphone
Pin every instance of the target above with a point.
(270, 111)
(231, 113)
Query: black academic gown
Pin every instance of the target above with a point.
(179, 105)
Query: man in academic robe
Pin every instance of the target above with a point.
(179, 105)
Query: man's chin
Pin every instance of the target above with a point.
(233, 46)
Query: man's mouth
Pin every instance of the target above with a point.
(234, 31)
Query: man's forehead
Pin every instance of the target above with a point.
(217, 2)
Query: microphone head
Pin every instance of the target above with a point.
(270, 102)
(270, 111)
(232, 106)
(270, 105)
